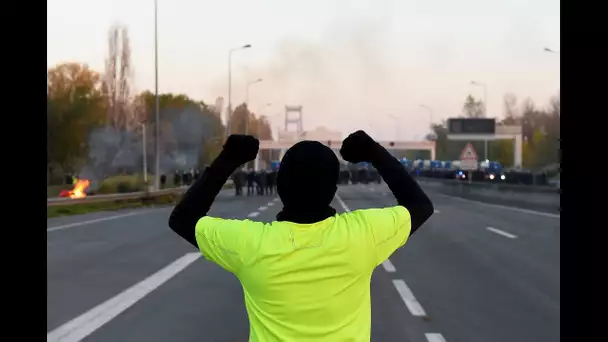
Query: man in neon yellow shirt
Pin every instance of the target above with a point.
(305, 276)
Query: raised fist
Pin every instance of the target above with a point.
(359, 147)
(241, 149)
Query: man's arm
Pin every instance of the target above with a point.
(198, 199)
(405, 189)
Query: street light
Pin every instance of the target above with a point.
(485, 112)
(247, 92)
(156, 102)
(551, 51)
(433, 135)
(247, 46)
(144, 151)
(397, 121)
(485, 96)
(430, 113)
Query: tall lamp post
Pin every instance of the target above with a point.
(551, 51)
(247, 46)
(247, 102)
(249, 84)
(430, 118)
(485, 113)
(156, 102)
(397, 124)
(262, 118)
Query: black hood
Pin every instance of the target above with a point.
(307, 182)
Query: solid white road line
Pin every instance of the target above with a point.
(342, 204)
(77, 224)
(262, 208)
(433, 337)
(501, 232)
(253, 214)
(85, 324)
(526, 211)
(408, 298)
(388, 266)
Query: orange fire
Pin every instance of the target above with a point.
(79, 188)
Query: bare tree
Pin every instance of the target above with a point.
(473, 108)
(122, 113)
(510, 105)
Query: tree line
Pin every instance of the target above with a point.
(81, 100)
(540, 130)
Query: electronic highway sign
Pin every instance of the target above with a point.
(472, 126)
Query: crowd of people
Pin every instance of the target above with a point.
(258, 183)
(181, 178)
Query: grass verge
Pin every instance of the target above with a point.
(79, 209)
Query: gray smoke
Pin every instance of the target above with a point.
(183, 133)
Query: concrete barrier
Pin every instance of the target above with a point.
(528, 197)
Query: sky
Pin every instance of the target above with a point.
(351, 64)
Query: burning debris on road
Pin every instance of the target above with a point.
(80, 185)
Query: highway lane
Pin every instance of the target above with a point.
(475, 284)
(472, 283)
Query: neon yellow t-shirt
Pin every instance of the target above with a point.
(306, 282)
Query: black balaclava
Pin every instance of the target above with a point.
(307, 182)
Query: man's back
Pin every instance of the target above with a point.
(306, 282)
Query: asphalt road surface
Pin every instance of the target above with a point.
(473, 273)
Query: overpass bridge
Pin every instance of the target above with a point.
(337, 144)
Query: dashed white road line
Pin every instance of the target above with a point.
(262, 208)
(82, 223)
(408, 298)
(270, 204)
(437, 211)
(253, 214)
(434, 337)
(276, 199)
(501, 232)
(87, 323)
(388, 266)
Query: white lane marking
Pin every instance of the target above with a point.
(388, 266)
(77, 224)
(277, 199)
(262, 208)
(437, 211)
(408, 298)
(372, 189)
(501, 232)
(253, 214)
(434, 337)
(498, 206)
(270, 204)
(85, 324)
(342, 204)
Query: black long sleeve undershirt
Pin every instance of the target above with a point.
(197, 200)
(405, 189)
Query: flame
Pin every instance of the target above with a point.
(79, 188)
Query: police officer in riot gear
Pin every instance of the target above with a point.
(250, 182)
(177, 179)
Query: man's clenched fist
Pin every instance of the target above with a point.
(359, 147)
(241, 148)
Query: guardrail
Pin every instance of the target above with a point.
(64, 201)
(543, 198)
(54, 202)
